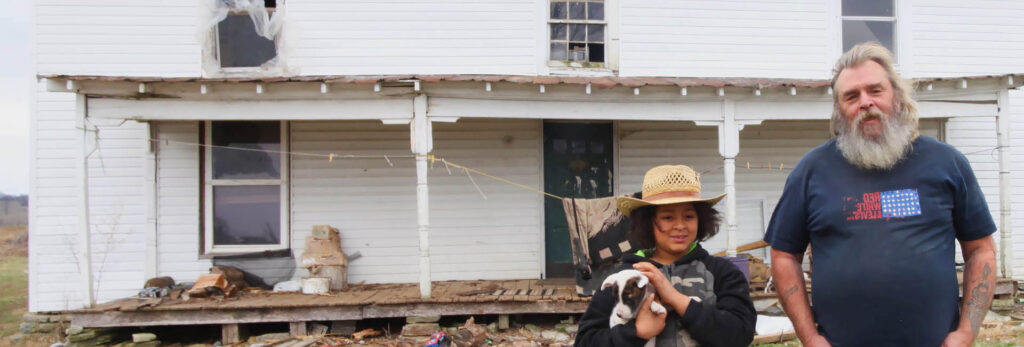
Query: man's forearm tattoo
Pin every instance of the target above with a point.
(788, 292)
(976, 304)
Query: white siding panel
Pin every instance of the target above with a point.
(976, 138)
(1017, 179)
(956, 38)
(423, 37)
(116, 37)
(724, 38)
(53, 271)
(497, 236)
(178, 204)
(371, 203)
(116, 210)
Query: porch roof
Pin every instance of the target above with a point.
(597, 81)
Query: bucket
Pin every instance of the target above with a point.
(316, 285)
(743, 264)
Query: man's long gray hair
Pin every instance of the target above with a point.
(899, 131)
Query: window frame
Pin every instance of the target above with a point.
(216, 45)
(209, 248)
(610, 38)
(894, 19)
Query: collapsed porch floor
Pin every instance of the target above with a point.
(354, 303)
(449, 298)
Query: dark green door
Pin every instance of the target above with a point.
(577, 164)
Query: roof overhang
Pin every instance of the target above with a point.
(389, 98)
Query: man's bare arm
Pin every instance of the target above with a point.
(789, 283)
(979, 284)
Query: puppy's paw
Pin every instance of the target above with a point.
(658, 308)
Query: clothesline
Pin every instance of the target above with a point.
(468, 170)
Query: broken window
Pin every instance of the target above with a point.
(869, 20)
(577, 32)
(246, 186)
(244, 33)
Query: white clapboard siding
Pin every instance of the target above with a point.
(371, 203)
(975, 137)
(178, 205)
(116, 207)
(424, 37)
(724, 38)
(53, 230)
(118, 37)
(1017, 179)
(496, 232)
(957, 38)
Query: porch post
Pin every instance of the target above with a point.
(422, 144)
(728, 147)
(1005, 220)
(82, 167)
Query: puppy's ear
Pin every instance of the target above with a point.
(642, 281)
(610, 281)
(614, 287)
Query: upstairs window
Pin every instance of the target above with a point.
(246, 190)
(246, 36)
(577, 32)
(869, 20)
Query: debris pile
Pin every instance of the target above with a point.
(323, 257)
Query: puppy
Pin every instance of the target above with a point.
(631, 290)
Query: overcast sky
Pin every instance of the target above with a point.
(16, 83)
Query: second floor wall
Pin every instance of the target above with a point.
(744, 38)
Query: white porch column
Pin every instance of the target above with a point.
(150, 194)
(82, 167)
(422, 143)
(729, 147)
(1005, 220)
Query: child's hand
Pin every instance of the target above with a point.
(648, 323)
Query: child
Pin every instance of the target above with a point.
(707, 298)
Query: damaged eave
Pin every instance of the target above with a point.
(389, 98)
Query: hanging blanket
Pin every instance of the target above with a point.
(597, 232)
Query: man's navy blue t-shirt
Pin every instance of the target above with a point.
(882, 241)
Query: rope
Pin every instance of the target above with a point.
(496, 178)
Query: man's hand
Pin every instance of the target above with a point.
(958, 338)
(648, 323)
(816, 341)
(789, 279)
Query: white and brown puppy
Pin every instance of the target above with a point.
(631, 290)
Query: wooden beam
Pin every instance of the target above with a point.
(320, 313)
(591, 110)
(162, 109)
(746, 247)
(297, 328)
(229, 333)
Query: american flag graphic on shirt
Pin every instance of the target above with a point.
(900, 203)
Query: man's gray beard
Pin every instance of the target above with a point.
(878, 153)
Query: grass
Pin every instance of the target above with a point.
(13, 278)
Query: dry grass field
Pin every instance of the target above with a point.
(13, 278)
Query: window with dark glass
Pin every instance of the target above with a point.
(239, 43)
(869, 20)
(577, 31)
(246, 180)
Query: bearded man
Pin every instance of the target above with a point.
(880, 206)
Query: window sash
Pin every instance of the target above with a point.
(209, 247)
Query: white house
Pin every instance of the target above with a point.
(364, 113)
